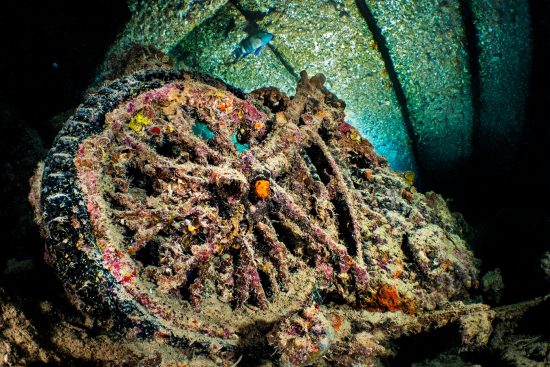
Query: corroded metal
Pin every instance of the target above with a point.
(177, 207)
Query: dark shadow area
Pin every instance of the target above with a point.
(536, 321)
(51, 50)
(417, 348)
(510, 211)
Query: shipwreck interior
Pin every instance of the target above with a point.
(53, 53)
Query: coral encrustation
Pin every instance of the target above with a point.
(176, 206)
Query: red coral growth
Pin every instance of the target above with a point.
(388, 297)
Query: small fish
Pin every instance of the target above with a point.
(409, 177)
(252, 44)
